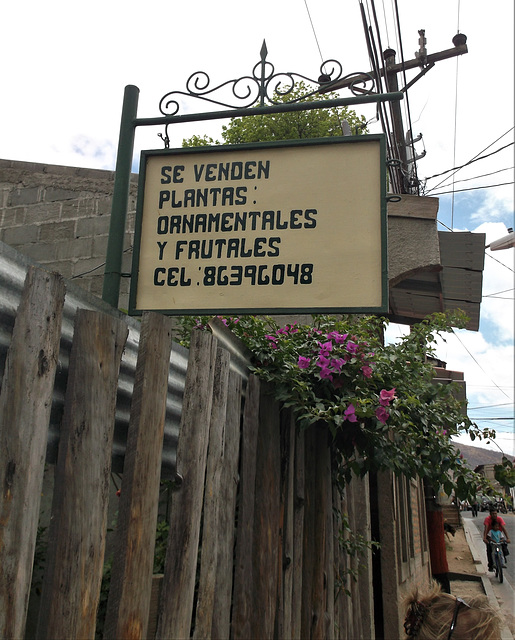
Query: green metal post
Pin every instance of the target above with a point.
(113, 267)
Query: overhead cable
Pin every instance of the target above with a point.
(474, 159)
(488, 186)
(475, 360)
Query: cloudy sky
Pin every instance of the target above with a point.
(65, 66)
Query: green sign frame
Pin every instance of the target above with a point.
(346, 176)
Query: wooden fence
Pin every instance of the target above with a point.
(253, 547)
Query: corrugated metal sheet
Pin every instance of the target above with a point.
(13, 268)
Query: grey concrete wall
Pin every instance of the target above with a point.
(59, 216)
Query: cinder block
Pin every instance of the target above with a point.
(74, 249)
(97, 226)
(53, 194)
(42, 252)
(100, 246)
(21, 235)
(79, 208)
(13, 217)
(57, 231)
(42, 212)
(104, 205)
(25, 195)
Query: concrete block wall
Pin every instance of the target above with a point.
(59, 216)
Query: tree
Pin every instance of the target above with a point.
(316, 123)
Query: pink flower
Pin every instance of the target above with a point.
(337, 364)
(351, 347)
(339, 338)
(303, 362)
(323, 362)
(350, 413)
(385, 397)
(382, 414)
(325, 347)
(273, 342)
(367, 371)
(326, 373)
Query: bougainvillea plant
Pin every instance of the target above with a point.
(380, 402)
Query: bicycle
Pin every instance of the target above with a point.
(497, 559)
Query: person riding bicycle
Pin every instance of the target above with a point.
(497, 536)
(488, 523)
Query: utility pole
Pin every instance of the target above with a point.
(399, 162)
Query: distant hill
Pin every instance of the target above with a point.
(476, 455)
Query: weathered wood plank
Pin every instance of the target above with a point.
(131, 573)
(228, 489)
(71, 585)
(177, 592)
(309, 527)
(212, 537)
(25, 403)
(355, 507)
(298, 534)
(243, 571)
(267, 524)
(316, 616)
(285, 561)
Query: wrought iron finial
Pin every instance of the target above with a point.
(263, 87)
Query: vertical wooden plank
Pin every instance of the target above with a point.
(309, 526)
(243, 571)
(331, 540)
(177, 592)
(338, 569)
(323, 505)
(131, 574)
(354, 509)
(229, 485)
(316, 618)
(298, 535)
(285, 561)
(25, 403)
(77, 532)
(211, 534)
(265, 553)
(364, 528)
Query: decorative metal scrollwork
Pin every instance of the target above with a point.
(264, 86)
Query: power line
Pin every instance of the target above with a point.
(501, 263)
(314, 32)
(483, 175)
(491, 406)
(481, 419)
(488, 186)
(475, 360)
(474, 159)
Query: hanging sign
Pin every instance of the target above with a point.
(275, 228)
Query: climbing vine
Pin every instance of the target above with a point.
(380, 402)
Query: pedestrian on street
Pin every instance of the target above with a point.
(488, 523)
